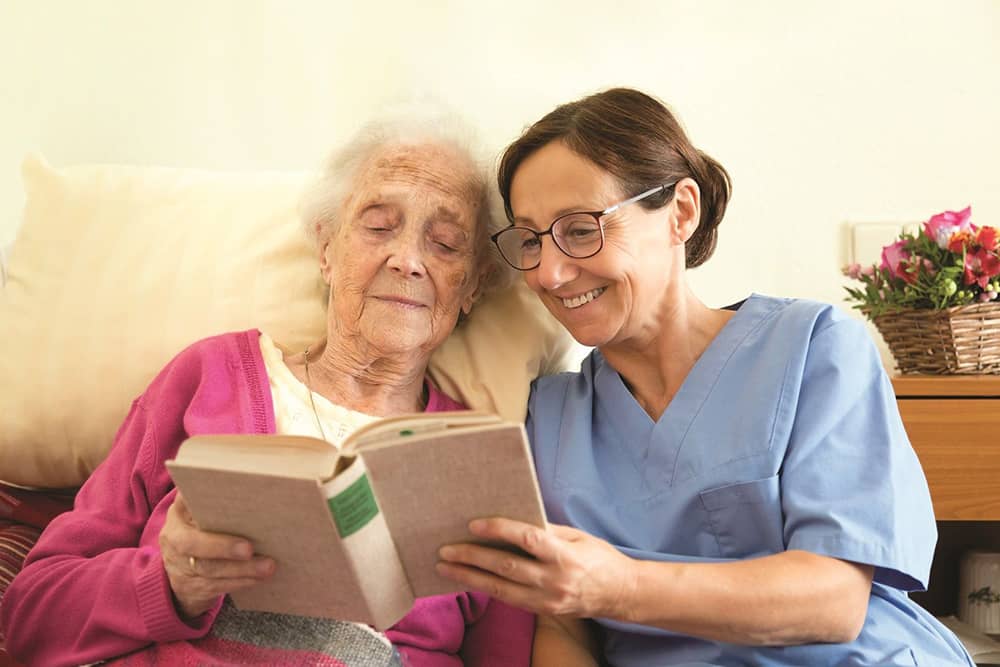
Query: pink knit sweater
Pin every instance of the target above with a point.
(94, 586)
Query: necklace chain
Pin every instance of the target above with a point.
(421, 405)
(312, 401)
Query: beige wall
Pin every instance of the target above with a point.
(824, 112)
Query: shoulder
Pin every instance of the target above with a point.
(805, 327)
(818, 347)
(226, 345)
(210, 360)
(800, 315)
(576, 383)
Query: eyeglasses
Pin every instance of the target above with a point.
(579, 235)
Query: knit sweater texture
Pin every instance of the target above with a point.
(94, 587)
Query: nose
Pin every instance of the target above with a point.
(406, 256)
(555, 269)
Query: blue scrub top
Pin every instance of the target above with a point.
(785, 435)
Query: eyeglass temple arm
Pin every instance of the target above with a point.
(632, 200)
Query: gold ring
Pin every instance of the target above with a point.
(193, 562)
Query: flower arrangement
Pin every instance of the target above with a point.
(949, 262)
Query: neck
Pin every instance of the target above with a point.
(356, 379)
(655, 363)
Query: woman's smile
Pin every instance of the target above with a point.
(581, 299)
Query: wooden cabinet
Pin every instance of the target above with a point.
(954, 425)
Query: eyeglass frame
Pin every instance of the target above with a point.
(596, 215)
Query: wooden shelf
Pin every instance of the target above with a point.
(950, 386)
(953, 423)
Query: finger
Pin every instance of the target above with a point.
(510, 592)
(531, 539)
(183, 512)
(204, 545)
(504, 564)
(260, 567)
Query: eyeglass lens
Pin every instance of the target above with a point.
(578, 235)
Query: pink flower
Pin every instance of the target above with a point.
(895, 258)
(868, 271)
(942, 226)
(852, 271)
(980, 266)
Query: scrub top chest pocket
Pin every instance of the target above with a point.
(746, 517)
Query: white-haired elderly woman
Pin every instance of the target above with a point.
(402, 225)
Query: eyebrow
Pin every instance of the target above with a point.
(445, 214)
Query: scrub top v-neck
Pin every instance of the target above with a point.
(785, 435)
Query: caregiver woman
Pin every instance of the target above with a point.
(739, 484)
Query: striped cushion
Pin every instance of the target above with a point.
(15, 541)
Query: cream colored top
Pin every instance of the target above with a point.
(293, 414)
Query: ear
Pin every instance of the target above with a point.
(326, 261)
(687, 210)
(475, 292)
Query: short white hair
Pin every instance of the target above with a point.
(411, 125)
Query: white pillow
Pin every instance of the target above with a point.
(117, 268)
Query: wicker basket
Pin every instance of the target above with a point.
(963, 339)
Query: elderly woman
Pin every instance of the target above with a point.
(737, 483)
(401, 222)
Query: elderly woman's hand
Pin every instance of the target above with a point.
(201, 566)
(572, 573)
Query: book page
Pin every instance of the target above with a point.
(391, 429)
(291, 455)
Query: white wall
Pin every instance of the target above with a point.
(823, 112)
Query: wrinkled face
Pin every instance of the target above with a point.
(401, 263)
(614, 295)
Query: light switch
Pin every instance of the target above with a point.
(868, 239)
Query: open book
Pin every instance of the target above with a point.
(355, 533)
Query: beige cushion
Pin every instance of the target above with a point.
(116, 269)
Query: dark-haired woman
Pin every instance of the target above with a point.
(730, 487)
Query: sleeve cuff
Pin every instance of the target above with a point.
(893, 567)
(156, 604)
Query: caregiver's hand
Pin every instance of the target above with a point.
(572, 573)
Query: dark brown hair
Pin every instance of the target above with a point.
(636, 139)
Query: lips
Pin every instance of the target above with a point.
(401, 300)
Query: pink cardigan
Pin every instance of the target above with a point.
(94, 586)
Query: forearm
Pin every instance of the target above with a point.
(106, 606)
(790, 598)
(94, 586)
(563, 641)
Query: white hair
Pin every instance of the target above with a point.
(411, 125)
